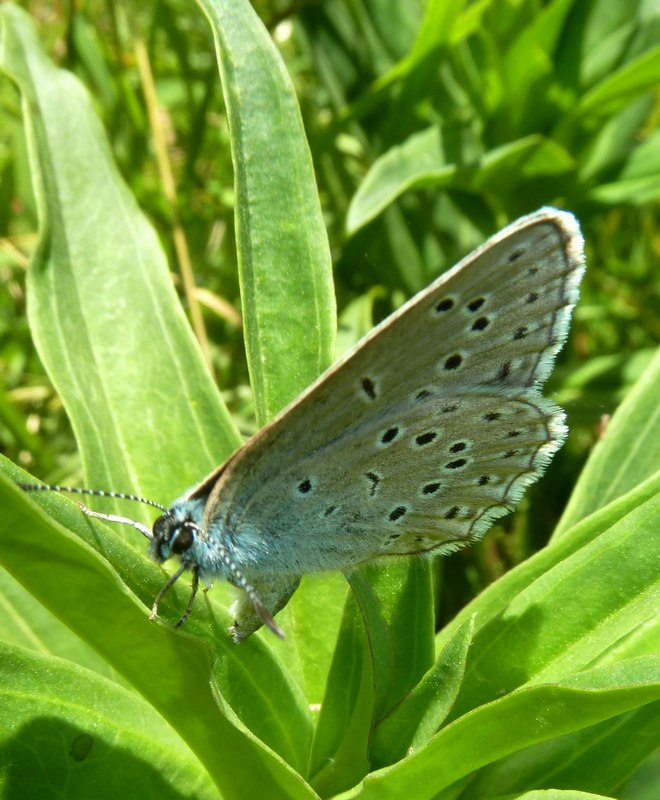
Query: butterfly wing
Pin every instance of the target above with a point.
(427, 431)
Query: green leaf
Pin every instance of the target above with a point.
(418, 159)
(553, 794)
(90, 578)
(314, 622)
(402, 600)
(284, 258)
(639, 180)
(98, 272)
(520, 719)
(443, 20)
(637, 76)
(97, 741)
(379, 657)
(421, 161)
(340, 752)
(395, 601)
(551, 616)
(569, 760)
(529, 60)
(27, 623)
(622, 459)
(412, 723)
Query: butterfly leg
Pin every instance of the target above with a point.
(191, 600)
(168, 585)
(273, 597)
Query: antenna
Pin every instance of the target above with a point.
(54, 487)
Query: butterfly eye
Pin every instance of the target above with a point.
(182, 540)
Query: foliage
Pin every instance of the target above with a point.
(428, 127)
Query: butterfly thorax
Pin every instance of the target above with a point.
(183, 532)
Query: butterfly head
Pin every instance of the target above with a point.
(174, 534)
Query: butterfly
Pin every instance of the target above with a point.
(413, 443)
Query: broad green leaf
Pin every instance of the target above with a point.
(103, 312)
(284, 258)
(623, 458)
(522, 718)
(340, 753)
(617, 746)
(97, 739)
(623, 515)
(396, 604)
(314, 621)
(27, 623)
(418, 159)
(590, 607)
(90, 578)
(403, 595)
(412, 723)
(377, 635)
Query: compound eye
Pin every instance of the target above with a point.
(183, 540)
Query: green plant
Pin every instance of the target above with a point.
(550, 678)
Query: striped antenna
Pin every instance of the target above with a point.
(54, 487)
